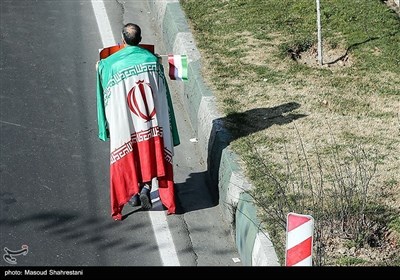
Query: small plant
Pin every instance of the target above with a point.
(333, 186)
(350, 261)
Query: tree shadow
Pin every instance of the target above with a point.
(351, 47)
(233, 126)
(71, 227)
(200, 190)
(344, 56)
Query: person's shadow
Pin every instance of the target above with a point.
(201, 189)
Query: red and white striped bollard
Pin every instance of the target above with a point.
(299, 240)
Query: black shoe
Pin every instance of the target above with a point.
(145, 199)
(134, 201)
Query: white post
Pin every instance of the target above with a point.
(319, 34)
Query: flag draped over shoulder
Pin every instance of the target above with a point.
(106, 52)
(178, 67)
(134, 111)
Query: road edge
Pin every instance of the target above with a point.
(254, 245)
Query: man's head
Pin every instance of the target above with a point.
(131, 34)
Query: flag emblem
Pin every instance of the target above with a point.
(178, 67)
(140, 101)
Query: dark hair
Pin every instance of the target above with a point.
(132, 34)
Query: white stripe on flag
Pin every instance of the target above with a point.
(177, 67)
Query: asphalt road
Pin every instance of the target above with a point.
(54, 195)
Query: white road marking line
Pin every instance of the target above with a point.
(165, 243)
(164, 239)
(103, 23)
(10, 123)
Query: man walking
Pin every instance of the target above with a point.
(134, 111)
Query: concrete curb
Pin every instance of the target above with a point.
(228, 184)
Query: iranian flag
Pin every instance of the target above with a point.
(178, 67)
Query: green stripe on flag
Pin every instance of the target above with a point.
(184, 67)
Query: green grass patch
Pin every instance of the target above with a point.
(350, 261)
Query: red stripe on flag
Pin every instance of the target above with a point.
(295, 221)
(172, 67)
(299, 252)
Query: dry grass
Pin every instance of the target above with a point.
(284, 97)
